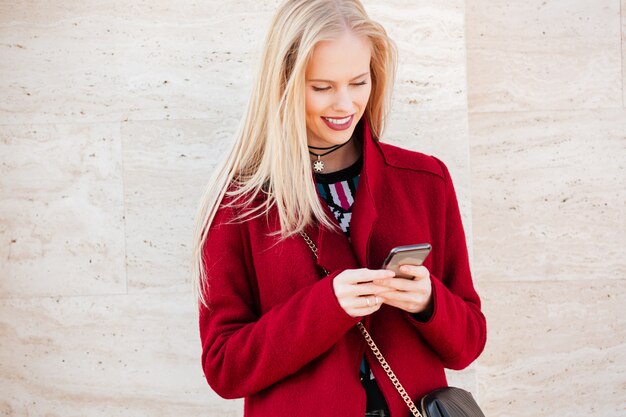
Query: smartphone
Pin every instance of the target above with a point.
(406, 255)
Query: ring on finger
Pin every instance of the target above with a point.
(376, 300)
(367, 301)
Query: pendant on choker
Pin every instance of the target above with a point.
(318, 166)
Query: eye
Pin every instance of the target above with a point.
(320, 88)
(361, 83)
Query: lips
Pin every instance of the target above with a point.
(338, 123)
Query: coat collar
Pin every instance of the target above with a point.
(335, 250)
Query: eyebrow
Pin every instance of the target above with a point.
(329, 81)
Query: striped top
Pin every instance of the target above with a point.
(338, 190)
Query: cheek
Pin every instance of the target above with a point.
(364, 96)
(315, 104)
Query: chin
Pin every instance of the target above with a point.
(335, 137)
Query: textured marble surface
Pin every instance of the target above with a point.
(430, 37)
(127, 61)
(548, 195)
(61, 213)
(623, 20)
(129, 355)
(166, 167)
(555, 348)
(543, 55)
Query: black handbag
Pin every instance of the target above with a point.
(443, 402)
(450, 401)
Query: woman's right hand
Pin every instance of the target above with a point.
(356, 293)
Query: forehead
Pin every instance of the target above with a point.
(340, 59)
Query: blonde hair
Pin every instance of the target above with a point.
(270, 153)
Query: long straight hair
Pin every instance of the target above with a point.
(270, 157)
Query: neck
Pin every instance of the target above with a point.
(341, 158)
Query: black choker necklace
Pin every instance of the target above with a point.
(318, 166)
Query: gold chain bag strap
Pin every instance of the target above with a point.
(444, 402)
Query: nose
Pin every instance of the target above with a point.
(343, 101)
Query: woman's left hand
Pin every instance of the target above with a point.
(412, 295)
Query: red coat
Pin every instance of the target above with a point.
(275, 332)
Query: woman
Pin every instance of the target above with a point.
(307, 158)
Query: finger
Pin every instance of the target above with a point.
(359, 306)
(367, 275)
(367, 302)
(362, 312)
(400, 284)
(357, 290)
(418, 271)
(405, 297)
(409, 307)
(367, 289)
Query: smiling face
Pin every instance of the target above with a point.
(338, 86)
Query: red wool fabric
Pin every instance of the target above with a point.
(274, 331)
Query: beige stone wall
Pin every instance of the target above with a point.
(548, 180)
(113, 115)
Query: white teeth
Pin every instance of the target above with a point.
(338, 121)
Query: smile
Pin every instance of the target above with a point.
(338, 124)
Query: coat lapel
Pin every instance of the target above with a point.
(335, 251)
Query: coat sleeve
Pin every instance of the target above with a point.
(244, 352)
(457, 328)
